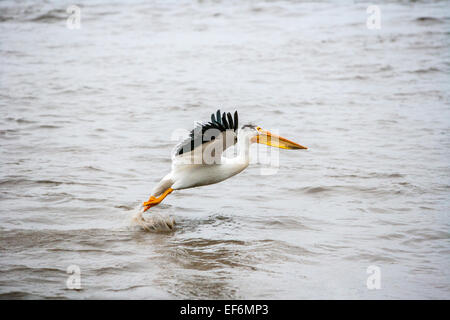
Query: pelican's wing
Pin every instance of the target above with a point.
(208, 140)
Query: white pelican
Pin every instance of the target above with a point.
(198, 160)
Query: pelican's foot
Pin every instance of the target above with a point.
(149, 201)
(148, 206)
(152, 201)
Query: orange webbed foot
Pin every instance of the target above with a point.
(153, 201)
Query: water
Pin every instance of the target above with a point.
(88, 116)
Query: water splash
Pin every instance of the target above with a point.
(152, 221)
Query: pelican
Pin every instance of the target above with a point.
(197, 161)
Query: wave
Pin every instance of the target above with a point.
(33, 14)
(427, 70)
(428, 20)
(393, 189)
(48, 17)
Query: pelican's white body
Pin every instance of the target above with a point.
(191, 175)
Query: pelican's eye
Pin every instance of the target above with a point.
(258, 128)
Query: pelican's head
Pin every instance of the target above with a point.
(259, 135)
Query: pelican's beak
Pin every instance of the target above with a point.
(270, 139)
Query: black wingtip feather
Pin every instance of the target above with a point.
(220, 122)
(230, 121)
(224, 120)
(218, 116)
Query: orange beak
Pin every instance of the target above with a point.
(270, 139)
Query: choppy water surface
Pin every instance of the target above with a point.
(85, 132)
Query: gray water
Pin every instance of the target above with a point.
(88, 115)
